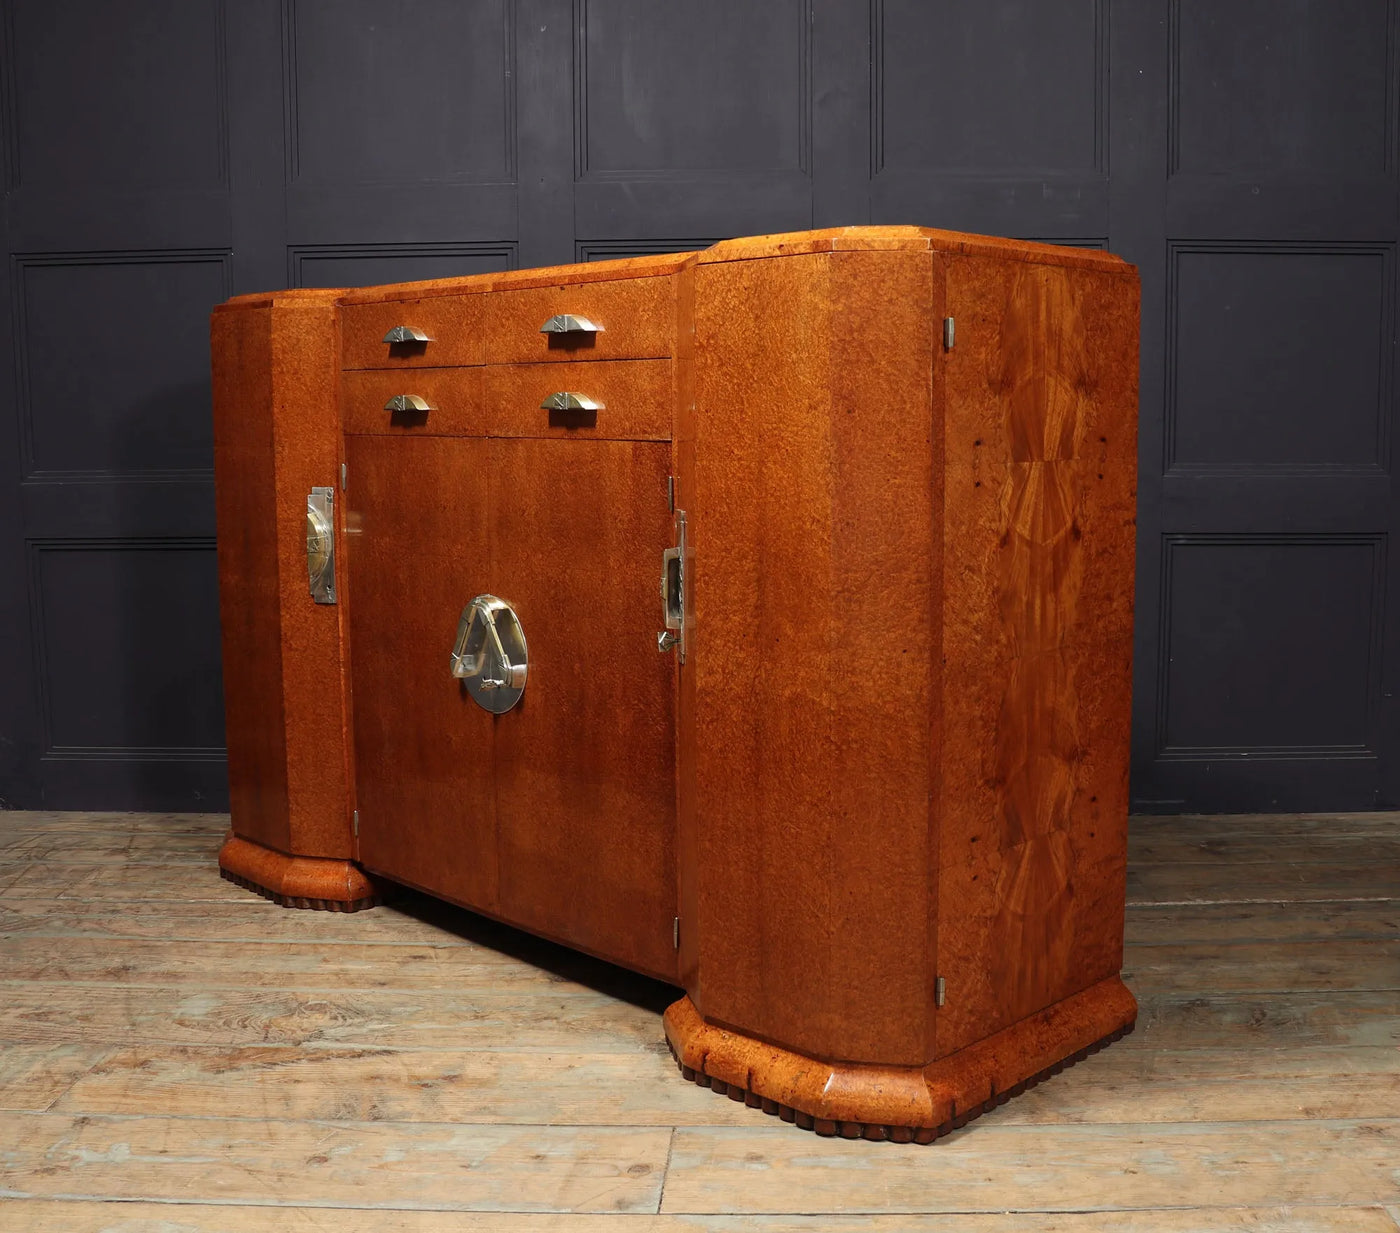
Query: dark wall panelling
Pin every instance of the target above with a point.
(1249, 674)
(137, 403)
(1312, 94)
(727, 89)
(1100, 242)
(78, 124)
(612, 250)
(990, 117)
(116, 124)
(1283, 128)
(401, 120)
(348, 266)
(691, 119)
(400, 91)
(1244, 155)
(1015, 89)
(1267, 666)
(117, 619)
(1246, 667)
(1279, 356)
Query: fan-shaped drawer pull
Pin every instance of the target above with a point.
(408, 402)
(406, 334)
(568, 323)
(567, 400)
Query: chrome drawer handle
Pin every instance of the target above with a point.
(490, 654)
(408, 402)
(567, 400)
(567, 323)
(406, 333)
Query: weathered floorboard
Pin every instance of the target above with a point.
(1024, 1168)
(423, 1164)
(476, 1085)
(178, 1056)
(95, 1216)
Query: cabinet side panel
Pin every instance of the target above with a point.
(883, 620)
(763, 734)
(683, 461)
(306, 419)
(1038, 583)
(245, 499)
(812, 508)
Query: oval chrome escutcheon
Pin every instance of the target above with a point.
(490, 654)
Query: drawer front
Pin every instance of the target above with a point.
(452, 324)
(631, 400)
(635, 320)
(452, 394)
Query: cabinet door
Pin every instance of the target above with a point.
(585, 763)
(418, 550)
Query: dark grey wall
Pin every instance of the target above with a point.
(161, 155)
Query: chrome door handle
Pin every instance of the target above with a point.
(490, 654)
(569, 323)
(408, 402)
(567, 400)
(405, 334)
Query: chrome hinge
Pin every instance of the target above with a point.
(676, 932)
(355, 823)
(671, 493)
(344, 477)
(948, 333)
(940, 991)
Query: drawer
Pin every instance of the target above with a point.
(452, 324)
(634, 398)
(635, 319)
(454, 395)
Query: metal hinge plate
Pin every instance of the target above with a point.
(676, 932)
(949, 333)
(940, 991)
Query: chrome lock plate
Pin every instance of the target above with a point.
(320, 544)
(674, 564)
(490, 654)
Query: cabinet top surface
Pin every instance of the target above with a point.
(746, 248)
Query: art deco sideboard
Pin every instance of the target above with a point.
(758, 619)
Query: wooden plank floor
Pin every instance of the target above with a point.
(177, 1054)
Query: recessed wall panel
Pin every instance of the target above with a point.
(1014, 87)
(1270, 642)
(114, 360)
(1261, 87)
(379, 264)
(401, 91)
(128, 635)
(118, 96)
(1280, 355)
(718, 87)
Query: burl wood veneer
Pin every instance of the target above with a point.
(875, 823)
